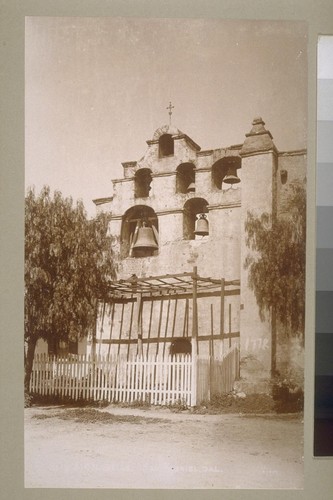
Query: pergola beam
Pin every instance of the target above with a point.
(152, 340)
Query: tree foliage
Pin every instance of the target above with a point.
(277, 262)
(68, 260)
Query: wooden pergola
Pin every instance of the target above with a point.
(182, 285)
(168, 287)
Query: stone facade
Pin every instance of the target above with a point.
(181, 182)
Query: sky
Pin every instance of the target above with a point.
(325, 57)
(96, 89)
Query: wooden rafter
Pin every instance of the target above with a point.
(170, 286)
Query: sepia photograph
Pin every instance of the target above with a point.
(165, 242)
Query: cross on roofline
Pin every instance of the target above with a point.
(170, 108)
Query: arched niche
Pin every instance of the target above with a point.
(185, 178)
(142, 183)
(192, 209)
(221, 167)
(133, 219)
(166, 145)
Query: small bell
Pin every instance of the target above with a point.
(231, 177)
(145, 239)
(191, 188)
(201, 226)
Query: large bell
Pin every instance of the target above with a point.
(201, 225)
(145, 239)
(231, 177)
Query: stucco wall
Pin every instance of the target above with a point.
(257, 177)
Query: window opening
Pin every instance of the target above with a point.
(143, 181)
(284, 176)
(180, 346)
(62, 347)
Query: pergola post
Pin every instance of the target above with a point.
(194, 338)
(138, 324)
(222, 296)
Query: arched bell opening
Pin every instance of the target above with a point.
(166, 145)
(225, 171)
(195, 210)
(185, 178)
(142, 181)
(139, 232)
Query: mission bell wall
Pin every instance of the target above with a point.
(222, 253)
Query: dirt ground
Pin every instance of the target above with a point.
(156, 448)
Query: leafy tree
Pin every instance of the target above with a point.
(277, 264)
(68, 260)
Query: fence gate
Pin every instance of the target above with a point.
(217, 376)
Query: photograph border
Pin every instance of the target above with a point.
(319, 16)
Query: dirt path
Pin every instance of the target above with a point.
(161, 449)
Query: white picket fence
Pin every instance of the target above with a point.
(156, 380)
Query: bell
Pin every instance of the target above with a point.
(201, 225)
(145, 239)
(231, 177)
(191, 188)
